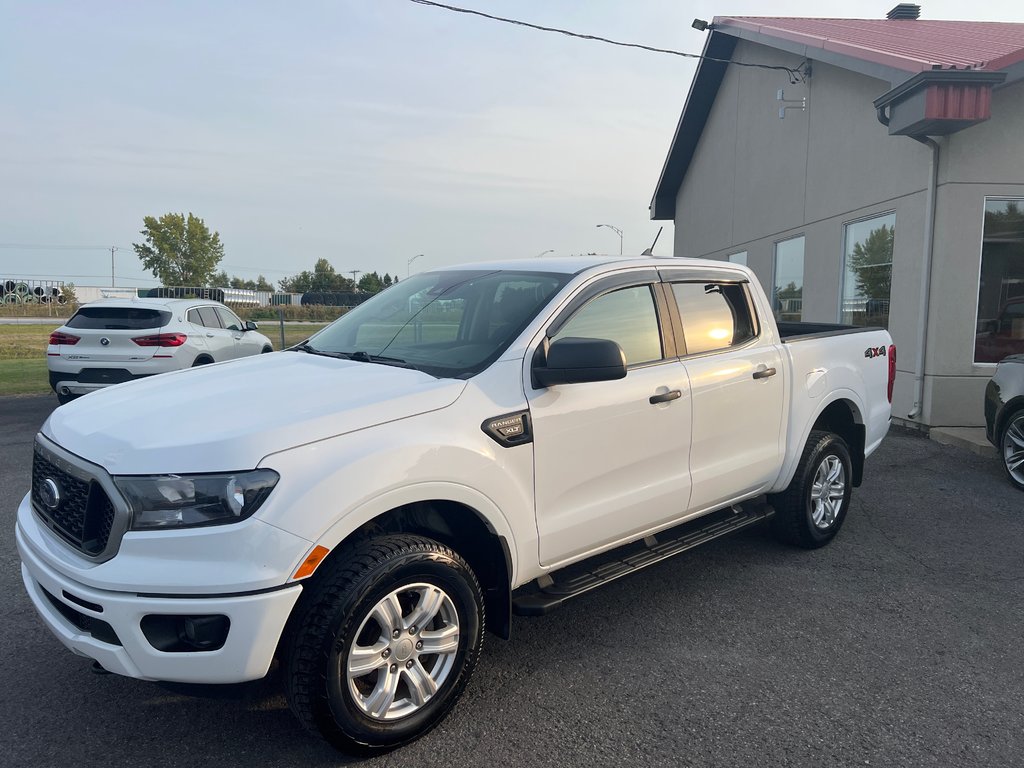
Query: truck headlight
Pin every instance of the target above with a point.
(188, 501)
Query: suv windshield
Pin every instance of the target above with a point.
(448, 324)
(119, 318)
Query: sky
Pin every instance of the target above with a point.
(360, 131)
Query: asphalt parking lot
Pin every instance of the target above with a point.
(898, 645)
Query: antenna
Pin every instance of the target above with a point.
(650, 251)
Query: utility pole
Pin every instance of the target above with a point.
(113, 248)
(354, 272)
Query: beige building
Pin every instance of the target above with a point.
(870, 172)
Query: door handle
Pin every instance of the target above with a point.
(666, 397)
(209, 335)
(764, 373)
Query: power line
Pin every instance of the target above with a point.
(795, 75)
(38, 247)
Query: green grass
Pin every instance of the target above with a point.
(23, 353)
(23, 377)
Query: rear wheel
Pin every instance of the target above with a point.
(202, 360)
(1011, 448)
(810, 512)
(384, 643)
(266, 349)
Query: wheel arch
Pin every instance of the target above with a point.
(1013, 406)
(459, 526)
(843, 418)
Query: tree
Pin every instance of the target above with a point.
(871, 263)
(371, 282)
(179, 251)
(323, 279)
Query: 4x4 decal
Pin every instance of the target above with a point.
(871, 352)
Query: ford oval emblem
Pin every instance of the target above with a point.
(105, 341)
(49, 494)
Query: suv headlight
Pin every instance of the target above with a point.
(188, 501)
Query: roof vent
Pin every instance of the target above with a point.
(905, 11)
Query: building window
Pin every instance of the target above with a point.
(788, 296)
(739, 258)
(1000, 329)
(867, 276)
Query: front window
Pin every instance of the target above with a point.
(867, 277)
(626, 316)
(449, 324)
(788, 296)
(1000, 328)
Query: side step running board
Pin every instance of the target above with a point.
(550, 592)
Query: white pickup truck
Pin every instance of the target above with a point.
(471, 443)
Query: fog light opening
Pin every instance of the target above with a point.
(186, 634)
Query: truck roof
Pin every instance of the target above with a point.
(572, 265)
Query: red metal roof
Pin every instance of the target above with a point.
(911, 45)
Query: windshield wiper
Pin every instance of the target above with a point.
(305, 347)
(366, 357)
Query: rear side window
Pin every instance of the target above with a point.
(119, 318)
(714, 315)
(209, 317)
(194, 318)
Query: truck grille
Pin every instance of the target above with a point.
(77, 509)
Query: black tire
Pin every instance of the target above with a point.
(65, 399)
(337, 610)
(266, 350)
(1009, 445)
(799, 520)
(202, 360)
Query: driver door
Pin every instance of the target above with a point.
(612, 457)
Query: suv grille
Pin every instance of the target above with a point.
(81, 512)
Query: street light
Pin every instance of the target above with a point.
(408, 264)
(617, 231)
(544, 253)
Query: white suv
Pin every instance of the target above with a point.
(110, 342)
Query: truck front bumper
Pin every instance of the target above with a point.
(112, 628)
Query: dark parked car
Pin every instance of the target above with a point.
(1004, 416)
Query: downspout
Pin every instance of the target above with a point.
(926, 282)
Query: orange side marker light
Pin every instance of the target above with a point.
(311, 562)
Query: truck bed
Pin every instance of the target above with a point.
(789, 331)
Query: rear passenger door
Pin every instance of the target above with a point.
(220, 341)
(737, 387)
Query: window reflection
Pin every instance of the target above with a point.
(1000, 327)
(788, 295)
(867, 277)
(626, 316)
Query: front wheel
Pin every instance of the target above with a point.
(384, 643)
(810, 512)
(1011, 449)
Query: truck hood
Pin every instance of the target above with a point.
(227, 417)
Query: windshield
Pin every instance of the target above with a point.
(449, 324)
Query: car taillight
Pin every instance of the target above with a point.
(57, 338)
(161, 340)
(892, 369)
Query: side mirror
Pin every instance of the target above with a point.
(250, 326)
(576, 361)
